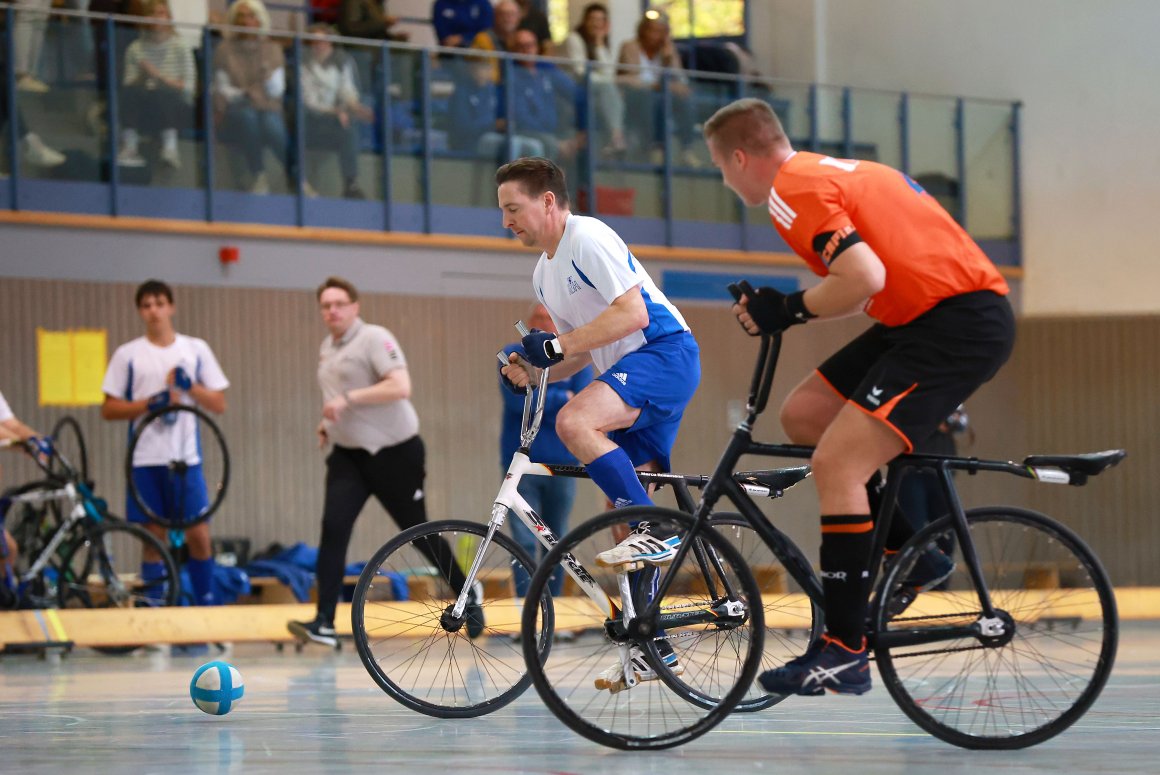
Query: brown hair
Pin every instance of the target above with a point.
(341, 284)
(536, 176)
(748, 124)
(153, 288)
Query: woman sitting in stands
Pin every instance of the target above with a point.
(157, 88)
(589, 43)
(249, 82)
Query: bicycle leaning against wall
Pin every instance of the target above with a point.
(1012, 651)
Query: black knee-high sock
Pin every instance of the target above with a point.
(900, 528)
(845, 556)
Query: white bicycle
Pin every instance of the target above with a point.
(412, 628)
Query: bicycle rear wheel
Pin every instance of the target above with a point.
(792, 621)
(69, 442)
(103, 569)
(1026, 684)
(707, 631)
(419, 657)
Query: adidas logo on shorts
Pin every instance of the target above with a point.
(620, 377)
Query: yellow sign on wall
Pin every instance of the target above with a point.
(71, 366)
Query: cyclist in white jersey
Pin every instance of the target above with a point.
(609, 313)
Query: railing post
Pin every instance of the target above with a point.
(961, 159)
(385, 133)
(298, 156)
(507, 72)
(9, 76)
(1016, 181)
(813, 111)
(904, 131)
(847, 124)
(112, 118)
(667, 146)
(207, 120)
(425, 122)
(589, 155)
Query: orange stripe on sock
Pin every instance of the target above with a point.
(858, 527)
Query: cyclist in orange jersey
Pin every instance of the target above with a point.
(885, 247)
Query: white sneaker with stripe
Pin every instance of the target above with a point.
(640, 546)
(612, 679)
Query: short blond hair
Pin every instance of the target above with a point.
(256, 6)
(749, 125)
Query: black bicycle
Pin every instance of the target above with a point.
(1015, 648)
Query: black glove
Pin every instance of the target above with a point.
(542, 349)
(773, 311)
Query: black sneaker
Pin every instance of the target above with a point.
(318, 631)
(473, 611)
(828, 666)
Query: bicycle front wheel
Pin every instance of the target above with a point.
(705, 643)
(411, 646)
(1026, 680)
(104, 569)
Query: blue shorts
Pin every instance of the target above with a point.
(161, 490)
(659, 379)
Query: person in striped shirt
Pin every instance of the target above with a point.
(157, 88)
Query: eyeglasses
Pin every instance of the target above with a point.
(334, 305)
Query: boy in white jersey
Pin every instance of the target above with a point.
(609, 313)
(150, 372)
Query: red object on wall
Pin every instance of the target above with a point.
(229, 254)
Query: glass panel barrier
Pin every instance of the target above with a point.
(874, 126)
(932, 149)
(990, 166)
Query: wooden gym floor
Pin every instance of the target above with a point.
(318, 711)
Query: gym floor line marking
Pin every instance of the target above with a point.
(840, 734)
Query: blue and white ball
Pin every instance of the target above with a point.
(216, 688)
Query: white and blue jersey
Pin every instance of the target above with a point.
(593, 267)
(656, 369)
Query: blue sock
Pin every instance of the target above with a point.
(615, 476)
(201, 579)
(151, 573)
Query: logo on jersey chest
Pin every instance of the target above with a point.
(573, 285)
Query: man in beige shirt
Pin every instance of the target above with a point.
(368, 419)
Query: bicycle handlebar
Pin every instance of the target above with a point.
(763, 372)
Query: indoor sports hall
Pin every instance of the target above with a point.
(195, 195)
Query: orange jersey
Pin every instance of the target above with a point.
(817, 201)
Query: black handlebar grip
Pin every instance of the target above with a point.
(746, 288)
(734, 291)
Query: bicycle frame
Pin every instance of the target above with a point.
(722, 484)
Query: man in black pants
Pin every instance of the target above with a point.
(368, 417)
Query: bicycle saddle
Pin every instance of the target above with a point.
(776, 479)
(1088, 464)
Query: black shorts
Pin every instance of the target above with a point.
(912, 376)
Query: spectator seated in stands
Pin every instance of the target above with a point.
(589, 43)
(457, 22)
(332, 108)
(36, 152)
(541, 91)
(157, 88)
(249, 82)
(475, 123)
(643, 58)
(367, 19)
(533, 18)
(501, 35)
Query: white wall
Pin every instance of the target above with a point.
(1086, 73)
